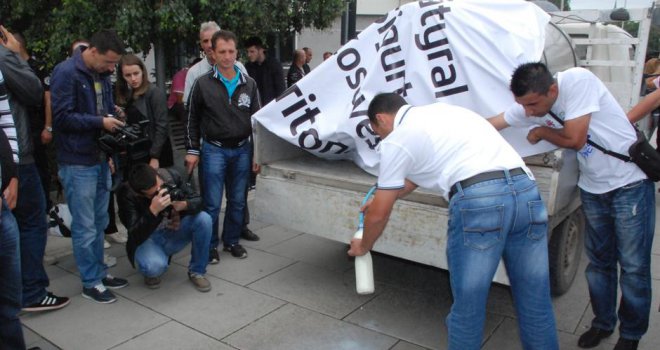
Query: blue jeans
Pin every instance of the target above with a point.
(32, 225)
(152, 256)
(620, 226)
(87, 190)
(11, 331)
(230, 166)
(503, 218)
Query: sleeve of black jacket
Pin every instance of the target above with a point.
(158, 107)
(134, 213)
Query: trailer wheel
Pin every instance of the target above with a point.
(564, 252)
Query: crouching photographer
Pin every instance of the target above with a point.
(162, 214)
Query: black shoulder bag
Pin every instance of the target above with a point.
(640, 152)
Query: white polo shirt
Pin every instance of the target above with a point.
(581, 93)
(437, 145)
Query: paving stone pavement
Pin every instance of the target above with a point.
(294, 291)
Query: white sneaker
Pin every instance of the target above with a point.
(106, 244)
(116, 237)
(109, 260)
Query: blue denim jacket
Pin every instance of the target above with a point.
(76, 124)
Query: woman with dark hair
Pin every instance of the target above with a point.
(144, 104)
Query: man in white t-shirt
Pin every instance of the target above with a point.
(617, 198)
(495, 211)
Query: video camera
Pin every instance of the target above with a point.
(129, 139)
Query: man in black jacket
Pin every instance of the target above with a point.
(266, 71)
(163, 214)
(220, 110)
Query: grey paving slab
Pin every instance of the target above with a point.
(257, 265)
(256, 225)
(651, 340)
(507, 337)
(570, 307)
(296, 328)
(418, 318)
(328, 292)
(222, 311)
(315, 251)
(402, 345)
(172, 278)
(271, 235)
(63, 283)
(87, 325)
(172, 336)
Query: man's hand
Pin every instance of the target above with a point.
(111, 124)
(256, 168)
(533, 136)
(180, 205)
(191, 161)
(11, 193)
(46, 136)
(111, 165)
(154, 163)
(11, 43)
(356, 248)
(160, 201)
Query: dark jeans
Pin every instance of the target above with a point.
(225, 169)
(620, 226)
(32, 225)
(40, 155)
(11, 331)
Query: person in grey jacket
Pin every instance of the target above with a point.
(25, 91)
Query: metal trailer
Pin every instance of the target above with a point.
(301, 192)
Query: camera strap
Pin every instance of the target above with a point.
(597, 146)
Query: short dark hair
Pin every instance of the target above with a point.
(387, 102)
(224, 35)
(531, 77)
(142, 177)
(107, 40)
(254, 41)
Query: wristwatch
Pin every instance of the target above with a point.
(49, 128)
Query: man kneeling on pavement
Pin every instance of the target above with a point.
(159, 224)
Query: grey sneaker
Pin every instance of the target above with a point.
(152, 282)
(199, 281)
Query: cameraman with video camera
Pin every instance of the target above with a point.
(162, 214)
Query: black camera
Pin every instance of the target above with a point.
(176, 194)
(129, 139)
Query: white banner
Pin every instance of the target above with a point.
(459, 52)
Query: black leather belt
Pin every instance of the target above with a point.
(491, 175)
(230, 143)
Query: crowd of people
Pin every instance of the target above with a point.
(113, 142)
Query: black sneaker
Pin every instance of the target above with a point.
(237, 251)
(49, 302)
(248, 235)
(114, 282)
(592, 337)
(99, 294)
(626, 344)
(214, 257)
